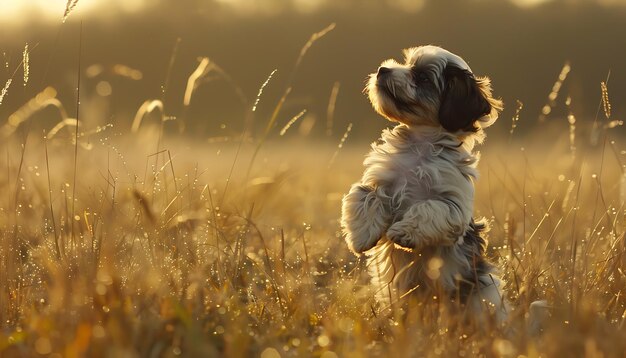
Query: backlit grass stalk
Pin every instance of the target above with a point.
(198, 77)
(341, 143)
(146, 108)
(291, 122)
(170, 66)
(80, 49)
(26, 62)
(515, 118)
(5, 90)
(260, 93)
(248, 124)
(316, 36)
(57, 248)
(596, 130)
(330, 110)
(44, 99)
(7, 84)
(164, 89)
(554, 93)
(271, 122)
(571, 120)
(606, 104)
(69, 7)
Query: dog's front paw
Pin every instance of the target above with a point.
(361, 243)
(401, 235)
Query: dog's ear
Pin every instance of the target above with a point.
(465, 100)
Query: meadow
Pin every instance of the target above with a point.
(138, 241)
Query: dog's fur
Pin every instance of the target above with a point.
(411, 213)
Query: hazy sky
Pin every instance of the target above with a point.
(522, 50)
(20, 12)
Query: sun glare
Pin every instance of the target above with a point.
(529, 3)
(14, 12)
(22, 12)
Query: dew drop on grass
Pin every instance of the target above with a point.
(43, 346)
(270, 353)
(323, 340)
(98, 331)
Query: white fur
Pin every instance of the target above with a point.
(417, 192)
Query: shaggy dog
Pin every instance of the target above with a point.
(411, 212)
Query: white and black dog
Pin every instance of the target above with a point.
(411, 212)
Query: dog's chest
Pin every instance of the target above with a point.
(409, 168)
(420, 167)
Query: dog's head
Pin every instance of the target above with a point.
(433, 87)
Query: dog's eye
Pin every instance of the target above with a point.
(422, 77)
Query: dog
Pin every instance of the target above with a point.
(411, 213)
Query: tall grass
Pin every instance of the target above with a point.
(5, 89)
(69, 7)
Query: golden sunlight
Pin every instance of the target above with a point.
(14, 12)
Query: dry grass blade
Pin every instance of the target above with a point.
(279, 106)
(330, 110)
(545, 111)
(614, 123)
(199, 76)
(144, 204)
(606, 104)
(67, 122)
(258, 96)
(341, 143)
(192, 82)
(292, 121)
(69, 7)
(5, 90)
(170, 66)
(571, 120)
(26, 64)
(316, 36)
(146, 108)
(26, 57)
(270, 124)
(245, 133)
(515, 118)
(42, 100)
(127, 72)
(597, 129)
(80, 53)
(57, 247)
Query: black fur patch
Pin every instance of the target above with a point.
(480, 267)
(462, 102)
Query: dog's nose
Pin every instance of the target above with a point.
(383, 71)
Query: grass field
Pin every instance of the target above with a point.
(119, 243)
(161, 255)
